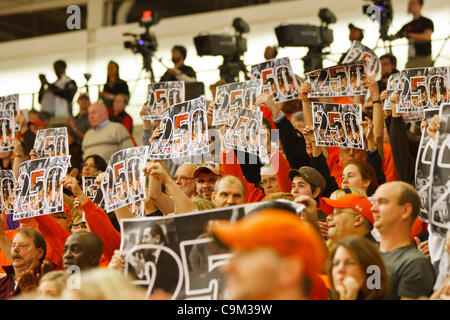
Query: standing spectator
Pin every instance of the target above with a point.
(180, 71)
(105, 137)
(388, 66)
(270, 52)
(56, 98)
(418, 32)
(80, 124)
(114, 85)
(354, 34)
(396, 206)
(118, 114)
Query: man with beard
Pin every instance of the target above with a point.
(206, 176)
(180, 72)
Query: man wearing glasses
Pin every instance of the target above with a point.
(184, 177)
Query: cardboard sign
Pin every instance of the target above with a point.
(278, 79)
(439, 193)
(243, 131)
(161, 96)
(232, 96)
(93, 191)
(338, 125)
(7, 130)
(7, 183)
(124, 182)
(422, 88)
(184, 130)
(39, 190)
(51, 142)
(391, 88)
(423, 167)
(10, 102)
(338, 81)
(175, 254)
(359, 52)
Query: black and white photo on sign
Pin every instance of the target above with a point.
(10, 102)
(278, 79)
(391, 88)
(338, 81)
(184, 131)
(422, 88)
(124, 182)
(359, 52)
(93, 191)
(7, 183)
(440, 171)
(39, 190)
(177, 254)
(235, 95)
(7, 130)
(243, 131)
(51, 142)
(338, 125)
(423, 167)
(161, 96)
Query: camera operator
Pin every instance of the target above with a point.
(418, 32)
(56, 98)
(180, 72)
(355, 34)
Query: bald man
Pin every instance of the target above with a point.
(184, 177)
(229, 191)
(395, 207)
(105, 137)
(83, 249)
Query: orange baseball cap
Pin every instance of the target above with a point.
(359, 203)
(284, 232)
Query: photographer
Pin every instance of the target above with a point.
(56, 98)
(418, 32)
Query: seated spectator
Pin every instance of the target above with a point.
(269, 180)
(307, 181)
(396, 206)
(347, 216)
(277, 256)
(80, 124)
(105, 137)
(83, 250)
(118, 114)
(206, 176)
(228, 191)
(52, 284)
(28, 251)
(93, 165)
(348, 266)
(184, 177)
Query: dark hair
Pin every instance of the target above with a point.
(62, 63)
(117, 66)
(182, 50)
(409, 195)
(365, 254)
(99, 162)
(421, 2)
(367, 173)
(266, 122)
(391, 58)
(38, 239)
(276, 204)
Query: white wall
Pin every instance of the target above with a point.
(21, 61)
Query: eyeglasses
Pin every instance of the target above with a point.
(183, 179)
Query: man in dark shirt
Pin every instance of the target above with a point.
(180, 72)
(411, 274)
(418, 32)
(388, 66)
(80, 124)
(354, 34)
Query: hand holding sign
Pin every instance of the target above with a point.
(434, 126)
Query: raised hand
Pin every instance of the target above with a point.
(305, 88)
